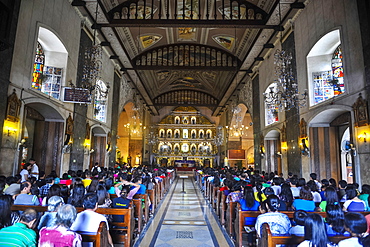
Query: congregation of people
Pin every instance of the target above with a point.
(270, 193)
(61, 224)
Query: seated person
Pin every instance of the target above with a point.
(315, 233)
(356, 224)
(279, 223)
(299, 219)
(305, 201)
(20, 234)
(48, 218)
(133, 189)
(24, 198)
(60, 234)
(121, 202)
(88, 220)
(353, 203)
(335, 220)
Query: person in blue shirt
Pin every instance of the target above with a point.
(138, 180)
(248, 203)
(305, 201)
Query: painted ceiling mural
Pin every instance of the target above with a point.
(148, 40)
(225, 41)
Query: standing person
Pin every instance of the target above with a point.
(356, 224)
(88, 220)
(315, 232)
(60, 234)
(279, 223)
(25, 173)
(20, 234)
(35, 168)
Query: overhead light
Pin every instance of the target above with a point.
(268, 45)
(105, 43)
(114, 57)
(259, 59)
(297, 5)
(283, 94)
(78, 3)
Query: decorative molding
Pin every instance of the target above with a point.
(361, 112)
(13, 107)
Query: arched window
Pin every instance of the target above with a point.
(38, 67)
(271, 111)
(325, 68)
(50, 61)
(100, 102)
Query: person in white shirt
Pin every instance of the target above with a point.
(35, 168)
(356, 224)
(89, 220)
(25, 173)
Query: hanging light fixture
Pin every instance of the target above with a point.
(284, 94)
(91, 71)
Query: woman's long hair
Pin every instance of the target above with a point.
(315, 231)
(259, 191)
(305, 193)
(331, 196)
(101, 191)
(286, 193)
(6, 203)
(78, 193)
(335, 217)
(272, 202)
(357, 224)
(94, 184)
(351, 191)
(249, 196)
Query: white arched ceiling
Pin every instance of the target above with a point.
(272, 135)
(50, 41)
(326, 45)
(325, 117)
(48, 112)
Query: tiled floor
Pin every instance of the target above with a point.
(184, 220)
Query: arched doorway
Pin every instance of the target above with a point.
(42, 137)
(99, 145)
(130, 136)
(272, 152)
(327, 132)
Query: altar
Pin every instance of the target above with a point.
(184, 165)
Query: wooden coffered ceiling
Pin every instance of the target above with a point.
(188, 52)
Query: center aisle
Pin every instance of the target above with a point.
(184, 219)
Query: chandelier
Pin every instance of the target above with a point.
(91, 71)
(237, 129)
(283, 94)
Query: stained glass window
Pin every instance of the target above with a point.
(337, 68)
(100, 102)
(38, 67)
(52, 81)
(327, 84)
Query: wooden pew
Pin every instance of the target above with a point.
(151, 195)
(241, 215)
(230, 217)
(269, 240)
(123, 235)
(100, 239)
(218, 203)
(223, 208)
